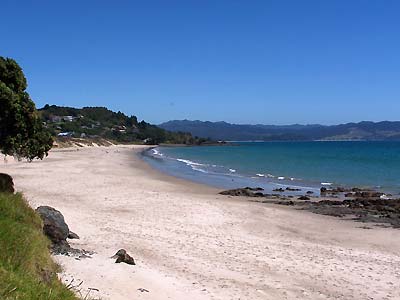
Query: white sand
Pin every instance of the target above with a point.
(190, 243)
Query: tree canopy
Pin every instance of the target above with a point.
(21, 130)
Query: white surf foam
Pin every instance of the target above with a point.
(189, 162)
(156, 152)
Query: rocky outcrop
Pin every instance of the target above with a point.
(72, 235)
(55, 228)
(385, 211)
(334, 191)
(6, 183)
(246, 192)
(292, 189)
(54, 225)
(254, 189)
(123, 256)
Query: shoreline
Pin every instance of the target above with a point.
(190, 241)
(272, 182)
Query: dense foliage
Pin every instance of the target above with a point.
(26, 268)
(102, 122)
(21, 129)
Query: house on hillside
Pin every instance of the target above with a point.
(119, 128)
(57, 119)
(65, 134)
(68, 118)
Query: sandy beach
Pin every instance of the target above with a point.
(191, 243)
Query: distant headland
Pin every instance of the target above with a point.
(362, 131)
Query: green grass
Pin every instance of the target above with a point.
(27, 271)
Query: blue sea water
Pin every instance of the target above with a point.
(308, 165)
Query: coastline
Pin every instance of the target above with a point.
(270, 168)
(190, 241)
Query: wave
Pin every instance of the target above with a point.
(156, 152)
(199, 169)
(189, 162)
(222, 170)
(194, 165)
(265, 175)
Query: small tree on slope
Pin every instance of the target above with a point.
(21, 130)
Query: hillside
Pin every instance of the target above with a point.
(100, 122)
(225, 131)
(26, 268)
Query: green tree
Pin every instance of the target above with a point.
(21, 130)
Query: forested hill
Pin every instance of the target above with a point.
(95, 122)
(226, 131)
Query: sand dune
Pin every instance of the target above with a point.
(191, 243)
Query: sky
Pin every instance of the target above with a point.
(245, 62)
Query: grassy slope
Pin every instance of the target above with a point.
(26, 268)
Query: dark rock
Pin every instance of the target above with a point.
(329, 202)
(73, 235)
(288, 203)
(254, 189)
(278, 190)
(64, 248)
(304, 198)
(246, 192)
(310, 192)
(54, 225)
(347, 195)
(6, 183)
(123, 256)
(361, 209)
(323, 190)
(55, 228)
(292, 189)
(368, 194)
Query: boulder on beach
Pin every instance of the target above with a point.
(55, 228)
(54, 225)
(6, 183)
(123, 256)
(72, 235)
(304, 198)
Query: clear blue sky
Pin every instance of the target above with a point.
(271, 62)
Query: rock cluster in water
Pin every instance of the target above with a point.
(358, 204)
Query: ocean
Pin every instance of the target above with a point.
(270, 165)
